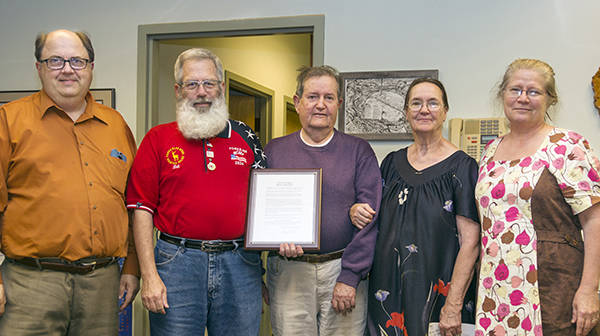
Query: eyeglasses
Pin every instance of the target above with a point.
(417, 105)
(517, 92)
(207, 84)
(57, 63)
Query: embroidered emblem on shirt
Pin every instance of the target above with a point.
(238, 156)
(175, 156)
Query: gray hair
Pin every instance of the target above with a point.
(198, 54)
(317, 71)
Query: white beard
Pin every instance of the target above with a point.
(200, 123)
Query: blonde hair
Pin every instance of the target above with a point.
(541, 67)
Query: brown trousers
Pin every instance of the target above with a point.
(46, 302)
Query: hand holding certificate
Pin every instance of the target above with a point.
(284, 206)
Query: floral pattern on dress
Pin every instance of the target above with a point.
(508, 298)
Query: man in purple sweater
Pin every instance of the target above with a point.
(325, 293)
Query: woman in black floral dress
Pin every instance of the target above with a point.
(428, 228)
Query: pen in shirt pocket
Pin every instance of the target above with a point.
(115, 153)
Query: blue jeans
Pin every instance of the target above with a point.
(218, 290)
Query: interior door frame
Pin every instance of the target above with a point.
(247, 86)
(150, 35)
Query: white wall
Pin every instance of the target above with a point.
(469, 41)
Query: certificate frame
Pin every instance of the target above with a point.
(254, 224)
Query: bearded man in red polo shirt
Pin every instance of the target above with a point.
(190, 181)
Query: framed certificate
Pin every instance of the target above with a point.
(284, 206)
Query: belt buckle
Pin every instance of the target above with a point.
(206, 247)
(89, 264)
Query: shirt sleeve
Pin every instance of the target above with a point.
(576, 171)
(131, 264)
(465, 179)
(4, 158)
(252, 140)
(358, 255)
(144, 177)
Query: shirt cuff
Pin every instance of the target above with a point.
(349, 278)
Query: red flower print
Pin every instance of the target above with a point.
(517, 298)
(562, 149)
(497, 172)
(492, 251)
(484, 201)
(512, 214)
(498, 331)
(558, 163)
(485, 322)
(526, 324)
(525, 162)
(397, 320)
(503, 310)
(593, 175)
(441, 288)
(574, 137)
(501, 271)
(490, 165)
(523, 238)
(498, 227)
(583, 185)
(577, 154)
(498, 190)
(488, 282)
(539, 164)
(515, 281)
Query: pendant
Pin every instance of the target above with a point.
(211, 166)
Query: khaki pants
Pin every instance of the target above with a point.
(46, 302)
(300, 300)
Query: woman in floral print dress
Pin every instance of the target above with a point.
(428, 232)
(538, 187)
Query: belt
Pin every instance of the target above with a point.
(81, 266)
(311, 258)
(204, 245)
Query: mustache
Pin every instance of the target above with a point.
(200, 100)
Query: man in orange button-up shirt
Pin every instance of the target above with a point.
(64, 161)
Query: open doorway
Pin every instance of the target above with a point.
(159, 45)
(250, 103)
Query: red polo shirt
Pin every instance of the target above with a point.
(195, 189)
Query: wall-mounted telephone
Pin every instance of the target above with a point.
(471, 135)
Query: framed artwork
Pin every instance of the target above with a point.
(373, 105)
(102, 96)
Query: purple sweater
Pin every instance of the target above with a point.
(350, 175)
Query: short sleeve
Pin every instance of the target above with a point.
(142, 188)
(575, 167)
(465, 178)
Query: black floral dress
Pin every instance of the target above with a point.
(418, 243)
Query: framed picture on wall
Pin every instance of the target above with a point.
(102, 96)
(373, 105)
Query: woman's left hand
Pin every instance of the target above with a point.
(586, 310)
(450, 320)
